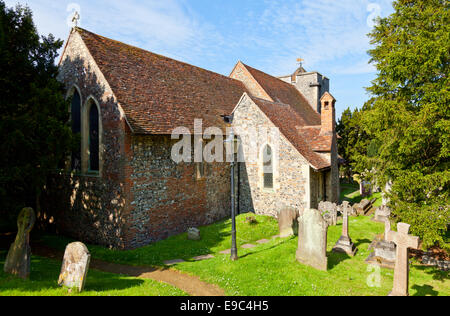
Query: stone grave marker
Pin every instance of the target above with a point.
(75, 266)
(287, 222)
(193, 234)
(312, 240)
(382, 214)
(345, 244)
(329, 212)
(403, 241)
(18, 260)
(384, 252)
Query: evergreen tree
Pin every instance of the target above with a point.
(34, 135)
(409, 118)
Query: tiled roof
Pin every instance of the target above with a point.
(284, 92)
(290, 123)
(159, 94)
(319, 143)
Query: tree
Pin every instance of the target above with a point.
(410, 115)
(34, 134)
(353, 142)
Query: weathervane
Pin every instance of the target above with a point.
(300, 61)
(76, 19)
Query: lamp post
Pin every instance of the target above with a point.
(233, 143)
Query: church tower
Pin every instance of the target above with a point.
(312, 85)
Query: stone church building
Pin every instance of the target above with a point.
(122, 189)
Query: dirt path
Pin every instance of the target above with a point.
(190, 284)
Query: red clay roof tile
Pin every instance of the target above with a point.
(290, 122)
(159, 94)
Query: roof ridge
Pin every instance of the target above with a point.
(286, 84)
(153, 53)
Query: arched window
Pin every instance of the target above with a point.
(75, 111)
(268, 167)
(94, 138)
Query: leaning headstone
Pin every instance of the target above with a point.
(287, 222)
(403, 241)
(312, 240)
(75, 266)
(193, 233)
(345, 244)
(382, 214)
(329, 212)
(18, 260)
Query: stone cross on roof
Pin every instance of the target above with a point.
(401, 271)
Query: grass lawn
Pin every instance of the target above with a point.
(350, 192)
(271, 269)
(44, 277)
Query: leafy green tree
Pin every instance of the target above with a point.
(410, 114)
(34, 135)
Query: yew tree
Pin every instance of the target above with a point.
(34, 134)
(409, 117)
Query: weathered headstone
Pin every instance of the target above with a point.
(193, 233)
(18, 260)
(382, 214)
(403, 242)
(312, 239)
(363, 207)
(287, 222)
(345, 244)
(75, 266)
(384, 252)
(329, 212)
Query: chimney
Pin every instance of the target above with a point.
(328, 114)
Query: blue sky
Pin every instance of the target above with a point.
(214, 34)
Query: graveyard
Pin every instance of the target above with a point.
(267, 269)
(143, 156)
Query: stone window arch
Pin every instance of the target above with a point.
(75, 122)
(92, 137)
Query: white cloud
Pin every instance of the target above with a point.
(167, 27)
(320, 31)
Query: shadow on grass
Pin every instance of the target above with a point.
(438, 275)
(214, 238)
(335, 258)
(253, 252)
(424, 290)
(44, 277)
(360, 242)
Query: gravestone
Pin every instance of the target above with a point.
(403, 241)
(382, 214)
(350, 210)
(384, 251)
(387, 190)
(75, 266)
(329, 212)
(345, 244)
(18, 260)
(312, 240)
(287, 222)
(193, 234)
(363, 207)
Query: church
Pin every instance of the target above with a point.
(123, 189)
